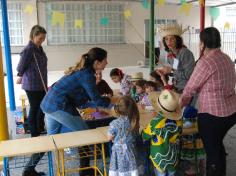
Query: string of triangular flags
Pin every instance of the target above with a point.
(58, 18)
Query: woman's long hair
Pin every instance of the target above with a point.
(127, 107)
(88, 59)
(36, 30)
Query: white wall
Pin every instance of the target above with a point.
(226, 17)
(61, 57)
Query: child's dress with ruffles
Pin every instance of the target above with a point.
(124, 154)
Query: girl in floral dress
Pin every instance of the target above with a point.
(123, 132)
(118, 76)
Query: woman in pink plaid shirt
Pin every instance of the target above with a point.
(214, 79)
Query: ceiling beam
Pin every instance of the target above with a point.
(226, 4)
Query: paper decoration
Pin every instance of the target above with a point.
(58, 18)
(104, 21)
(214, 12)
(127, 14)
(160, 2)
(227, 25)
(201, 2)
(28, 9)
(185, 8)
(78, 24)
(145, 4)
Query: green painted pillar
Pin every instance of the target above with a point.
(151, 37)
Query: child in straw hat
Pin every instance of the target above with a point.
(164, 132)
(135, 77)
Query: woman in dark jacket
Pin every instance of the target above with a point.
(32, 75)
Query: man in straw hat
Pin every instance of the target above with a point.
(181, 60)
(164, 132)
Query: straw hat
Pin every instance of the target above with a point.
(168, 103)
(136, 76)
(171, 29)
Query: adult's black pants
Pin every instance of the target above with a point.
(35, 119)
(213, 130)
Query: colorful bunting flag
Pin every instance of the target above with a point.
(58, 18)
(182, 1)
(127, 14)
(160, 3)
(78, 23)
(104, 21)
(227, 25)
(145, 4)
(214, 12)
(185, 8)
(201, 2)
(28, 9)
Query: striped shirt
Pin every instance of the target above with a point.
(214, 80)
(28, 69)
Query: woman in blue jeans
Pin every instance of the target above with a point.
(74, 90)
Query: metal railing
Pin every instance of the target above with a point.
(228, 42)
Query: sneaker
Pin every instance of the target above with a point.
(32, 173)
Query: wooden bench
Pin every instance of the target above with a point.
(80, 139)
(26, 146)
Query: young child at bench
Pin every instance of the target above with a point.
(164, 132)
(134, 78)
(118, 76)
(123, 132)
(140, 90)
(102, 86)
(150, 87)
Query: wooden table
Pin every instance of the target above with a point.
(80, 139)
(26, 146)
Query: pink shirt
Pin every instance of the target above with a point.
(214, 79)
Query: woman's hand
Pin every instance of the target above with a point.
(165, 70)
(19, 80)
(164, 81)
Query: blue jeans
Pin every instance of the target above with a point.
(157, 173)
(63, 122)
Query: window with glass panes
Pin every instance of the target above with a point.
(15, 23)
(92, 31)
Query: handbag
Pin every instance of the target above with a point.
(40, 74)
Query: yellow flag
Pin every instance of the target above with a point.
(160, 3)
(185, 8)
(78, 23)
(58, 18)
(127, 14)
(201, 2)
(227, 25)
(28, 9)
